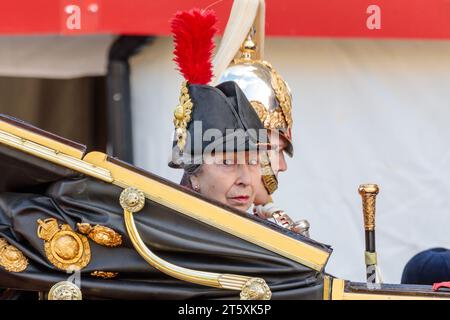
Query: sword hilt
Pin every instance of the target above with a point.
(368, 194)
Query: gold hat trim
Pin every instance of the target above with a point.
(182, 116)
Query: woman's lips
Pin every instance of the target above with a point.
(240, 199)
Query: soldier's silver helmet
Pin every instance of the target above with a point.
(268, 93)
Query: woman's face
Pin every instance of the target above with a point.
(229, 178)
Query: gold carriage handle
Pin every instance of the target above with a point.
(132, 200)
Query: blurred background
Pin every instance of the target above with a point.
(371, 104)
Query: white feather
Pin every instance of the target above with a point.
(244, 14)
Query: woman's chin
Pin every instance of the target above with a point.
(239, 206)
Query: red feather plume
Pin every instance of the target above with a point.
(193, 33)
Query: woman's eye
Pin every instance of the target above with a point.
(228, 162)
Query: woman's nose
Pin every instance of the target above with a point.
(244, 175)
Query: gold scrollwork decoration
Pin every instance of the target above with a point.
(261, 111)
(64, 248)
(282, 93)
(271, 120)
(11, 258)
(101, 235)
(182, 116)
(104, 274)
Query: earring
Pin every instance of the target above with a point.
(194, 183)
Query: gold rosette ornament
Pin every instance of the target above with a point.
(65, 290)
(256, 289)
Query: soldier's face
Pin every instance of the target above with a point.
(276, 155)
(230, 178)
(278, 163)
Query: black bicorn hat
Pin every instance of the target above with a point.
(207, 118)
(221, 119)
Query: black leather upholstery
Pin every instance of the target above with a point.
(43, 190)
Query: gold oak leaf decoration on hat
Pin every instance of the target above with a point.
(182, 116)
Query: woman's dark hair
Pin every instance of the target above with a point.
(189, 170)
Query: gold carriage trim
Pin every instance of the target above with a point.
(340, 291)
(64, 248)
(132, 201)
(11, 258)
(97, 165)
(101, 235)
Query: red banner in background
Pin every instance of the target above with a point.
(312, 18)
(79, 16)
